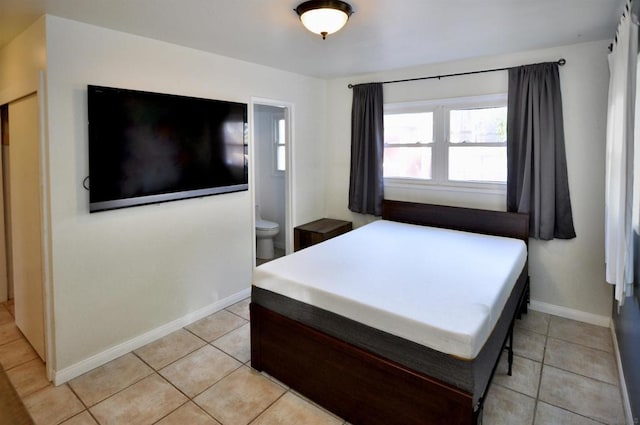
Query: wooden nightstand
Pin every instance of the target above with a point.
(318, 231)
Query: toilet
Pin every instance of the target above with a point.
(265, 232)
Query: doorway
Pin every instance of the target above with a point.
(23, 217)
(272, 147)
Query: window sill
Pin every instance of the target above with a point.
(428, 185)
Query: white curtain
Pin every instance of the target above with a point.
(619, 157)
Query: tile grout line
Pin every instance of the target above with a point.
(269, 406)
(86, 408)
(544, 354)
(544, 364)
(189, 399)
(119, 391)
(220, 336)
(157, 371)
(581, 345)
(171, 412)
(218, 381)
(233, 312)
(599, 381)
(23, 361)
(588, 347)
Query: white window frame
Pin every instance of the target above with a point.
(276, 144)
(440, 146)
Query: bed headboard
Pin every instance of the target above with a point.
(496, 223)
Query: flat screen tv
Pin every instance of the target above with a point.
(149, 147)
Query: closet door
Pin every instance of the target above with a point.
(26, 219)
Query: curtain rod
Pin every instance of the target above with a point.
(560, 62)
(624, 15)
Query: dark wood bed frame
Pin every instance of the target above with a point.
(359, 386)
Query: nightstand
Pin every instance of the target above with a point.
(318, 231)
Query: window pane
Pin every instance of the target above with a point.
(408, 128)
(478, 163)
(408, 162)
(280, 158)
(488, 125)
(281, 133)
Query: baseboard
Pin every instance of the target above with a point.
(626, 403)
(569, 313)
(68, 373)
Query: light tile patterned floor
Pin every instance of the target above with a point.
(564, 373)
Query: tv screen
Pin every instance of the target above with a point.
(150, 147)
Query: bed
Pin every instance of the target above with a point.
(368, 336)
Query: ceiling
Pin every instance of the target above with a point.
(381, 34)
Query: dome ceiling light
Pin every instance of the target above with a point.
(324, 16)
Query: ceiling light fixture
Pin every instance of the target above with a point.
(324, 16)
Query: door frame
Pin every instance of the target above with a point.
(16, 93)
(5, 279)
(47, 248)
(289, 113)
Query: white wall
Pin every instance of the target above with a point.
(21, 62)
(119, 274)
(568, 275)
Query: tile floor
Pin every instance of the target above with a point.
(564, 373)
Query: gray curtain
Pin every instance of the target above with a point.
(366, 185)
(536, 161)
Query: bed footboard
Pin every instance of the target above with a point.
(357, 385)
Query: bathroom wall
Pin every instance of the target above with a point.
(269, 184)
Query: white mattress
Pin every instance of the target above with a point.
(440, 288)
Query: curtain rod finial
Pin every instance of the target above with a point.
(562, 61)
(350, 86)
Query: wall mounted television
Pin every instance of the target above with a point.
(147, 147)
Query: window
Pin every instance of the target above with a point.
(452, 141)
(280, 145)
(408, 143)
